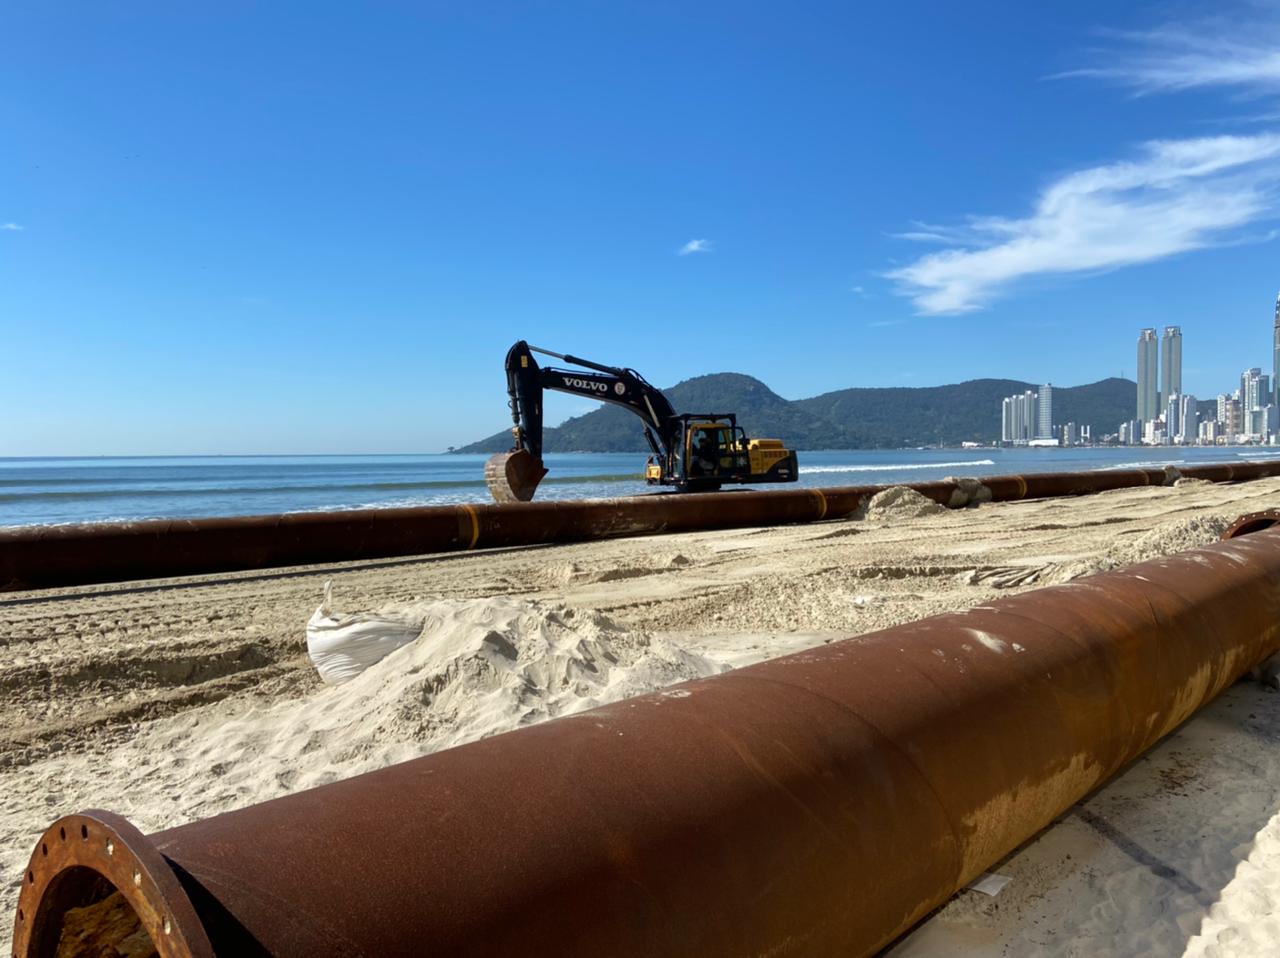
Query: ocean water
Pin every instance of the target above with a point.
(43, 491)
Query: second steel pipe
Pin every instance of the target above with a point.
(48, 556)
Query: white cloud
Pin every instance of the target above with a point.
(13, 227)
(1215, 53)
(1178, 195)
(694, 246)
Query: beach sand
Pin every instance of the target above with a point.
(174, 700)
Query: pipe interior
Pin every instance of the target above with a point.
(83, 915)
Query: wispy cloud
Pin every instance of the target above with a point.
(932, 233)
(1176, 195)
(695, 246)
(1237, 53)
(12, 227)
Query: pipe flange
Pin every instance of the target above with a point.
(79, 849)
(1252, 522)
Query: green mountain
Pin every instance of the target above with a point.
(861, 418)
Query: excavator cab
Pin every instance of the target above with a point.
(712, 450)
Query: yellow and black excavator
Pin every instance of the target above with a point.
(694, 452)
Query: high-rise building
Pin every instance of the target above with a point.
(1173, 417)
(1188, 419)
(1028, 415)
(1044, 428)
(1255, 390)
(1275, 356)
(1232, 421)
(1170, 364)
(1260, 423)
(1148, 367)
(1020, 418)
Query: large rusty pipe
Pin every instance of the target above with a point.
(63, 555)
(818, 804)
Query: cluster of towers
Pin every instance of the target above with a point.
(1026, 419)
(1165, 414)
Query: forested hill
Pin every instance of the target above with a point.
(863, 418)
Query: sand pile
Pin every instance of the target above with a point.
(900, 502)
(480, 667)
(1163, 540)
(1245, 920)
(573, 573)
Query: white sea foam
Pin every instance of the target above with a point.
(1145, 464)
(897, 467)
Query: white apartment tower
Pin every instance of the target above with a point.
(1188, 419)
(1255, 390)
(1019, 418)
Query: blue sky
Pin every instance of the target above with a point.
(317, 227)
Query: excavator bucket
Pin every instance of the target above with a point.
(513, 476)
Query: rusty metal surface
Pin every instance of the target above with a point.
(66, 869)
(814, 805)
(513, 476)
(49, 556)
(1253, 522)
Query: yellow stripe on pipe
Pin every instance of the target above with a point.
(475, 524)
(822, 500)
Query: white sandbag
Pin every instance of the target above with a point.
(341, 647)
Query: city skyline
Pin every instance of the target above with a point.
(1166, 413)
(1249, 414)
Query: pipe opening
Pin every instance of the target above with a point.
(1254, 522)
(82, 914)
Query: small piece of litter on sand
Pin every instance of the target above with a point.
(989, 883)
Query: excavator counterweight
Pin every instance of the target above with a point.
(692, 451)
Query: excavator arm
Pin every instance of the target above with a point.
(514, 476)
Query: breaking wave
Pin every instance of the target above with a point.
(896, 467)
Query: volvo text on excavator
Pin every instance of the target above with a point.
(693, 452)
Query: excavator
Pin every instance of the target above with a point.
(694, 452)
